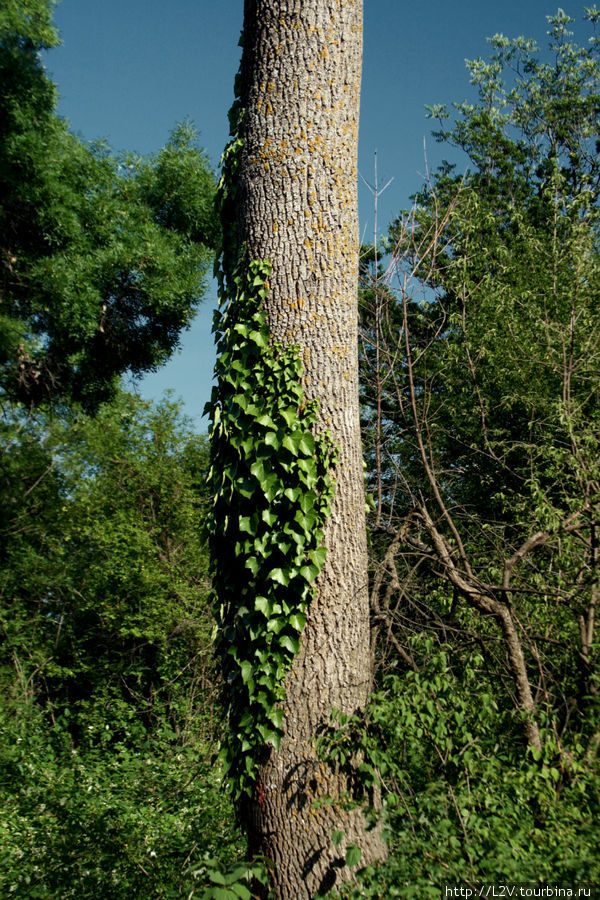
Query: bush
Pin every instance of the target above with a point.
(106, 819)
(464, 800)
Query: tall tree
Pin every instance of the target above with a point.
(289, 538)
(487, 375)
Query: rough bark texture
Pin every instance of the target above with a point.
(297, 207)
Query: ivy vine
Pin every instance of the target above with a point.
(272, 486)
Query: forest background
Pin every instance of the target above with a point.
(480, 401)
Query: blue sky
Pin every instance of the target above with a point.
(129, 70)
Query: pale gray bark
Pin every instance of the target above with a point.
(297, 207)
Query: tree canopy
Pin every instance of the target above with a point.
(102, 257)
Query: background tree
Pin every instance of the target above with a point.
(105, 571)
(108, 716)
(102, 258)
(290, 559)
(486, 568)
(107, 682)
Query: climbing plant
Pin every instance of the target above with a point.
(272, 486)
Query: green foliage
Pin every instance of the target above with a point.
(462, 802)
(104, 819)
(480, 368)
(487, 373)
(28, 24)
(106, 578)
(107, 683)
(237, 881)
(108, 688)
(102, 258)
(272, 489)
(510, 273)
(108, 785)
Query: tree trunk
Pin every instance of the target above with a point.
(296, 206)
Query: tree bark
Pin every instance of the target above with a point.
(296, 206)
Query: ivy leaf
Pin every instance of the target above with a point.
(318, 557)
(260, 338)
(307, 444)
(276, 625)
(282, 545)
(241, 328)
(290, 415)
(266, 420)
(298, 621)
(272, 439)
(279, 575)
(309, 573)
(264, 605)
(290, 643)
(264, 699)
(247, 670)
(244, 487)
(307, 501)
(241, 400)
(268, 517)
(267, 681)
(353, 855)
(248, 524)
(252, 564)
(258, 470)
(336, 837)
(307, 522)
(307, 472)
(291, 442)
(274, 739)
(276, 717)
(270, 487)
